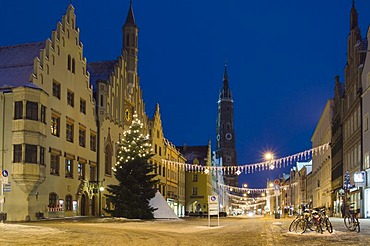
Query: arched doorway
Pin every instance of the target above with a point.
(83, 205)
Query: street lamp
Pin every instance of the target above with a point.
(97, 187)
(269, 157)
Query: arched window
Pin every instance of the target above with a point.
(47, 69)
(69, 63)
(53, 59)
(127, 40)
(108, 159)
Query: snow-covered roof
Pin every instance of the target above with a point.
(16, 63)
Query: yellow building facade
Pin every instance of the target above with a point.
(198, 184)
(48, 131)
(171, 177)
(61, 121)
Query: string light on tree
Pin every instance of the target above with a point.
(135, 175)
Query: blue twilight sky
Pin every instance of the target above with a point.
(282, 59)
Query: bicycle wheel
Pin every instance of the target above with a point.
(348, 221)
(300, 226)
(357, 225)
(319, 228)
(328, 225)
(293, 225)
(310, 224)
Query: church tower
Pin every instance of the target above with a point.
(225, 137)
(130, 33)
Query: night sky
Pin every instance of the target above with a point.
(282, 58)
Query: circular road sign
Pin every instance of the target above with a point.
(276, 182)
(5, 173)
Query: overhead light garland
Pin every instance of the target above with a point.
(251, 168)
(255, 190)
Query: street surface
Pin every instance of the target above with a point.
(238, 230)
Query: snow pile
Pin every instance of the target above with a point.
(163, 211)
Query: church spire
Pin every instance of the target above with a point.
(130, 20)
(225, 72)
(130, 34)
(354, 17)
(225, 93)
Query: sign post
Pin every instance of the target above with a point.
(3, 180)
(213, 209)
(277, 188)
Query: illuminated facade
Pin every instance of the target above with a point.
(366, 132)
(61, 120)
(352, 134)
(198, 184)
(48, 131)
(321, 162)
(171, 177)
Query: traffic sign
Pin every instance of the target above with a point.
(5, 173)
(213, 205)
(276, 182)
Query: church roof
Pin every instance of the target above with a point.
(16, 63)
(192, 152)
(100, 71)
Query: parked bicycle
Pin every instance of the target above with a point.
(325, 222)
(299, 223)
(313, 219)
(351, 219)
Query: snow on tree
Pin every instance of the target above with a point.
(135, 175)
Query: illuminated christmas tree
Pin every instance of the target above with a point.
(137, 183)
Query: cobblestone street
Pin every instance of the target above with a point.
(188, 231)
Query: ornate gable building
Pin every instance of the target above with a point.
(352, 141)
(118, 96)
(48, 131)
(61, 120)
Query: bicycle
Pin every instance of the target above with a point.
(298, 225)
(351, 220)
(325, 221)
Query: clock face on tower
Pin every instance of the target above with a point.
(228, 136)
(127, 115)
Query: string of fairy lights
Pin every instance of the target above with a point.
(250, 168)
(254, 190)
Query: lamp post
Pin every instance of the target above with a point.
(97, 187)
(269, 157)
